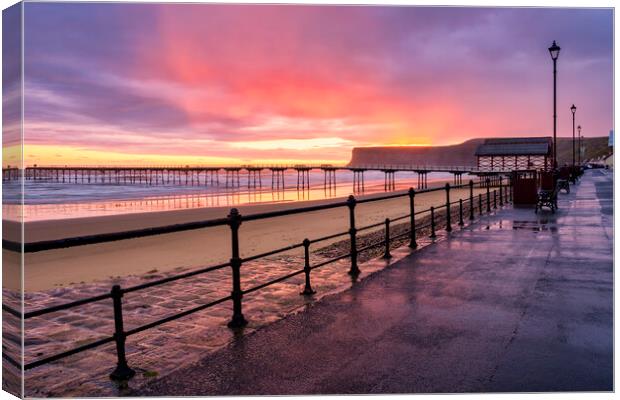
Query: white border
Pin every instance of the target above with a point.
(479, 3)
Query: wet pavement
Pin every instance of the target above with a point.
(156, 352)
(519, 302)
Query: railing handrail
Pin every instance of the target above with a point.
(45, 245)
(123, 371)
(79, 302)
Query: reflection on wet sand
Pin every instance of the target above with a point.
(207, 198)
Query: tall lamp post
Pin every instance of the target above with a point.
(579, 137)
(554, 50)
(573, 109)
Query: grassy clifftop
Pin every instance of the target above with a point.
(594, 147)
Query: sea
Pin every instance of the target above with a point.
(48, 200)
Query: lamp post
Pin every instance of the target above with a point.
(554, 51)
(579, 137)
(573, 109)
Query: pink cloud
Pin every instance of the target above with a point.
(204, 79)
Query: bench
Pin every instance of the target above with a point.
(547, 195)
(564, 184)
(547, 198)
(564, 178)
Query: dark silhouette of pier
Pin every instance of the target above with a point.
(210, 175)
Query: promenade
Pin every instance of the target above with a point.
(517, 302)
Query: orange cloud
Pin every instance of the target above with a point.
(254, 83)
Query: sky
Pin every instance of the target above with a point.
(228, 84)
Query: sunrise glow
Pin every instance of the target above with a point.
(221, 84)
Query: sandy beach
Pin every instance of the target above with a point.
(48, 269)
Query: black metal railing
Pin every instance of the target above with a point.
(234, 220)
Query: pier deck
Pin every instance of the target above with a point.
(517, 302)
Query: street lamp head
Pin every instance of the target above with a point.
(579, 129)
(554, 50)
(573, 109)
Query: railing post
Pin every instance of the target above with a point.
(461, 223)
(448, 213)
(351, 202)
(412, 243)
(238, 320)
(488, 195)
(387, 254)
(494, 198)
(308, 288)
(501, 192)
(480, 203)
(471, 200)
(122, 372)
(433, 235)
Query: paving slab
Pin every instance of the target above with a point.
(521, 302)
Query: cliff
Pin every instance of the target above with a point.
(593, 147)
(458, 154)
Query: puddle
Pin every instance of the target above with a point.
(535, 226)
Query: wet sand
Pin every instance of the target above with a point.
(202, 247)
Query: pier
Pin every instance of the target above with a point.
(252, 174)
